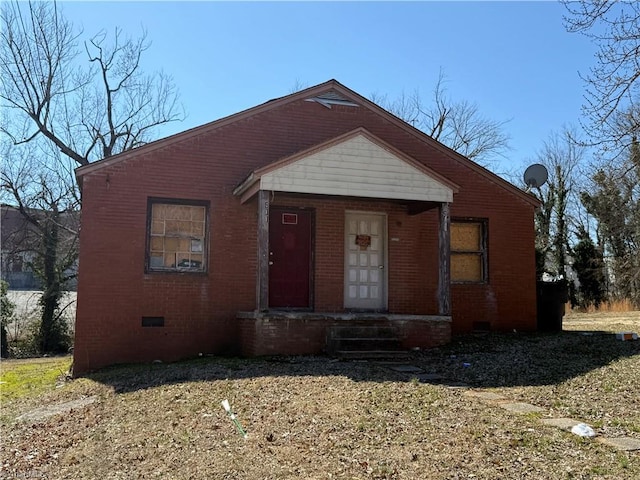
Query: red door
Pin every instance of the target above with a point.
(290, 258)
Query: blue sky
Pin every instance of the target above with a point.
(513, 59)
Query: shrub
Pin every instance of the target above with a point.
(6, 314)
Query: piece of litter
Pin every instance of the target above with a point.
(232, 416)
(466, 365)
(627, 336)
(583, 430)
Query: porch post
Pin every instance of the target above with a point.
(444, 270)
(262, 281)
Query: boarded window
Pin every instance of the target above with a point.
(468, 252)
(177, 234)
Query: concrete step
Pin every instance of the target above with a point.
(365, 344)
(371, 354)
(362, 331)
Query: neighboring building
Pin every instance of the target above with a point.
(20, 243)
(261, 232)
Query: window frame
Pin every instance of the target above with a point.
(151, 201)
(483, 252)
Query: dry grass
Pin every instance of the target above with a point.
(310, 417)
(615, 306)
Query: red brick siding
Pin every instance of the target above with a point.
(424, 334)
(114, 292)
(273, 335)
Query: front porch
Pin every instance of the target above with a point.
(307, 333)
(357, 168)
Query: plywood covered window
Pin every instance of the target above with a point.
(177, 236)
(468, 251)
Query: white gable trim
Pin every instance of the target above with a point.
(356, 167)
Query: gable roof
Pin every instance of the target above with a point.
(356, 163)
(326, 94)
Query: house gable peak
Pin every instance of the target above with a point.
(353, 164)
(332, 97)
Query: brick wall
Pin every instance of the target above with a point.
(114, 292)
(272, 334)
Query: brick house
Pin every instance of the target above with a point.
(262, 232)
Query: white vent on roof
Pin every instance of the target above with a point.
(332, 98)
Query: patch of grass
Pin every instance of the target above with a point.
(597, 470)
(623, 461)
(28, 379)
(533, 415)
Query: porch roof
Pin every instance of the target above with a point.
(356, 164)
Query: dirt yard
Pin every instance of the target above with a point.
(316, 418)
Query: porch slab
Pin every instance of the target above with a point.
(563, 423)
(486, 396)
(626, 444)
(43, 413)
(519, 407)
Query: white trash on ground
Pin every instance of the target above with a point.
(583, 430)
(627, 336)
(234, 419)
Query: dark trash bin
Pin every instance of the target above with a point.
(551, 299)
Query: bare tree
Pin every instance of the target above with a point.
(613, 199)
(457, 124)
(298, 85)
(66, 103)
(47, 201)
(562, 157)
(87, 110)
(612, 88)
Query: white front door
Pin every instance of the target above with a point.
(365, 249)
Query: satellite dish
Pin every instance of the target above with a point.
(535, 176)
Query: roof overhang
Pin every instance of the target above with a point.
(356, 164)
